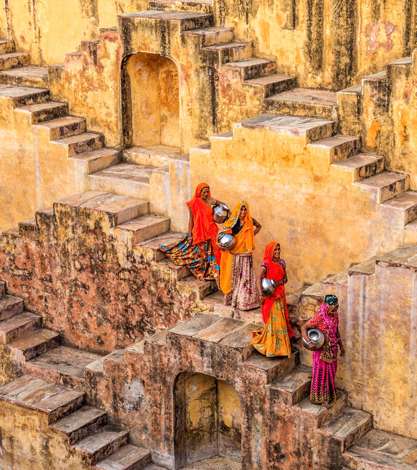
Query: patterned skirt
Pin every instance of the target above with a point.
(273, 339)
(323, 383)
(245, 293)
(199, 259)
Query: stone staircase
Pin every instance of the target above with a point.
(366, 171)
(27, 88)
(53, 385)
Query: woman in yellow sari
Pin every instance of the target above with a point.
(237, 277)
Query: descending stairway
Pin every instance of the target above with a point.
(52, 385)
(390, 190)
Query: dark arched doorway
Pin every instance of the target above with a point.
(150, 98)
(207, 420)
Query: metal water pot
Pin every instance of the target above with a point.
(226, 241)
(316, 339)
(220, 213)
(268, 286)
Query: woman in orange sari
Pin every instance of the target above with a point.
(274, 338)
(199, 250)
(237, 276)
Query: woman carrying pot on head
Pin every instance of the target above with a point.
(323, 383)
(237, 276)
(274, 339)
(199, 250)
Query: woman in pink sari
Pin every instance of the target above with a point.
(323, 383)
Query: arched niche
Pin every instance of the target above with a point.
(208, 419)
(150, 101)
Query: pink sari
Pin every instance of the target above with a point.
(323, 384)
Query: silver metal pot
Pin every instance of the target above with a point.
(226, 241)
(268, 286)
(316, 339)
(220, 213)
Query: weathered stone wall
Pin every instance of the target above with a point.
(378, 324)
(71, 268)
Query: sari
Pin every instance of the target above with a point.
(323, 383)
(274, 338)
(237, 275)
(201, 255)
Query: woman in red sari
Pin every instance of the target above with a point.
(274, 338)
(199, 250)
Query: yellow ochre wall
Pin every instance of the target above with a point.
(309, 38)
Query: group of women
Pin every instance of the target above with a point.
(234, 272)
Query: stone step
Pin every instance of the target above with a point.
(273, 84)
(185, 20)
(213, 35)
(10, 306)
(64, 127)
(119, 209)
(124, 178)
(152, 466)
(36, 342)
(80, 423)
(309, 129)
(337, 147)
(379, 450)
(85, 142)
(2, 289)
(128, 457)
(150, 248)
(102, 443)
(402, 61)
(158, 156)
(294, 387)
(182, 5)
(376, 79)
(347, 428)
(201, 288)
(176, 272)
(386, 185)
(146, 227)
(26, 76)
(11, 60)
(52, 400)
(61, 365)
(17, 326)
(304, 102)
(320, 414)
(362, 166)
(22, 96)
(405, 204)
(272, 368)
(252, 68)
(219, 54)
(6, 46)
(98, 160)
(41, 112)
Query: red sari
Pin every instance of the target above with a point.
(204, 227)
(277, 272)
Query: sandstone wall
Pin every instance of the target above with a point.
(311, 38)
(80, 273)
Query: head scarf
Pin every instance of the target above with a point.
(331, 299)
(204, 227)
(245, 238)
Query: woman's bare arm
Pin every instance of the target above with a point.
(257, 226)
(190, 224)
